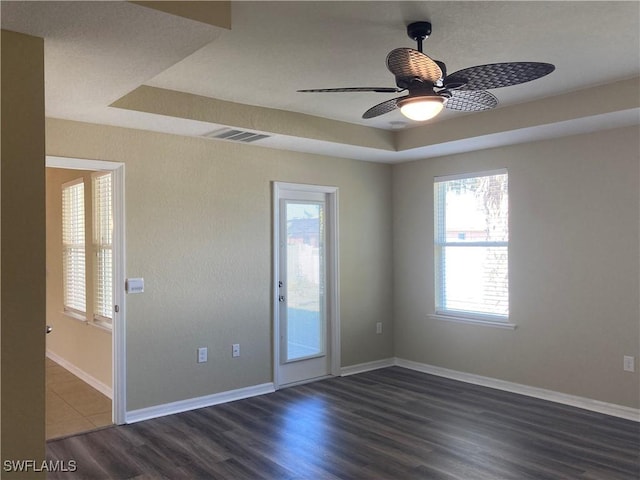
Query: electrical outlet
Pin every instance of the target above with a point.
(379, 327)
(235, 350)
(202, 355)
(629, 364)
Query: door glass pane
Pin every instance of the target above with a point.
(305, 280)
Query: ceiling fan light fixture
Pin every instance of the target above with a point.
(422, 108)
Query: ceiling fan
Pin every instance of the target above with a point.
(429, 87)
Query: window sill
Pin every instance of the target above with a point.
(74, 316)
(473, 321)
(101, 325)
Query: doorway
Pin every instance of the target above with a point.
(106, 312)
(306, 313)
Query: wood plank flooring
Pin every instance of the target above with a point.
(391, 423)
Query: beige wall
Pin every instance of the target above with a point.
(573, 257)
(82, 344)
(198, 229)
(22, 257)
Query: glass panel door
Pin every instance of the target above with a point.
(306, 313)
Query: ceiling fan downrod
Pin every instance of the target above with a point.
(419, 31)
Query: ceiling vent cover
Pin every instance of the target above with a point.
(235, 135)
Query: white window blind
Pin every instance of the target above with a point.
(103, 247)
(472, 245)
(73, 244)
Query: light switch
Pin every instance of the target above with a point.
(202, 355)
(135, 285)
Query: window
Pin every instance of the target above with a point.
(73, 248)
(103, 248)
(472, 246)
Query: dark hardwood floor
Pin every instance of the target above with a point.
(392, 423)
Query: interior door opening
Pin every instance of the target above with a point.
(98, 363)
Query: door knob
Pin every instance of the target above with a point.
(49, 329)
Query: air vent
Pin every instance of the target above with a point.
(235, 135)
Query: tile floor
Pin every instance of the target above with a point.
(73, 406)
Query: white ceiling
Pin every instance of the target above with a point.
(276, 48)
(97, 52)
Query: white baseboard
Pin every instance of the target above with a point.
(180, 406)
(265, 388)
(198, 402)
(81, 374)
(367, 366)
(558, 397)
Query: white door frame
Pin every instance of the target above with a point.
(118, 338)
(333, 287)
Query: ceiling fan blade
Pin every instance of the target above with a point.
(382, 108)
(496, 75)
(407, 63)
(352, 89)
(471, 101)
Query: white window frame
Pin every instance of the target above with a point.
(71, 308)
(441, 313)
(102, 242)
